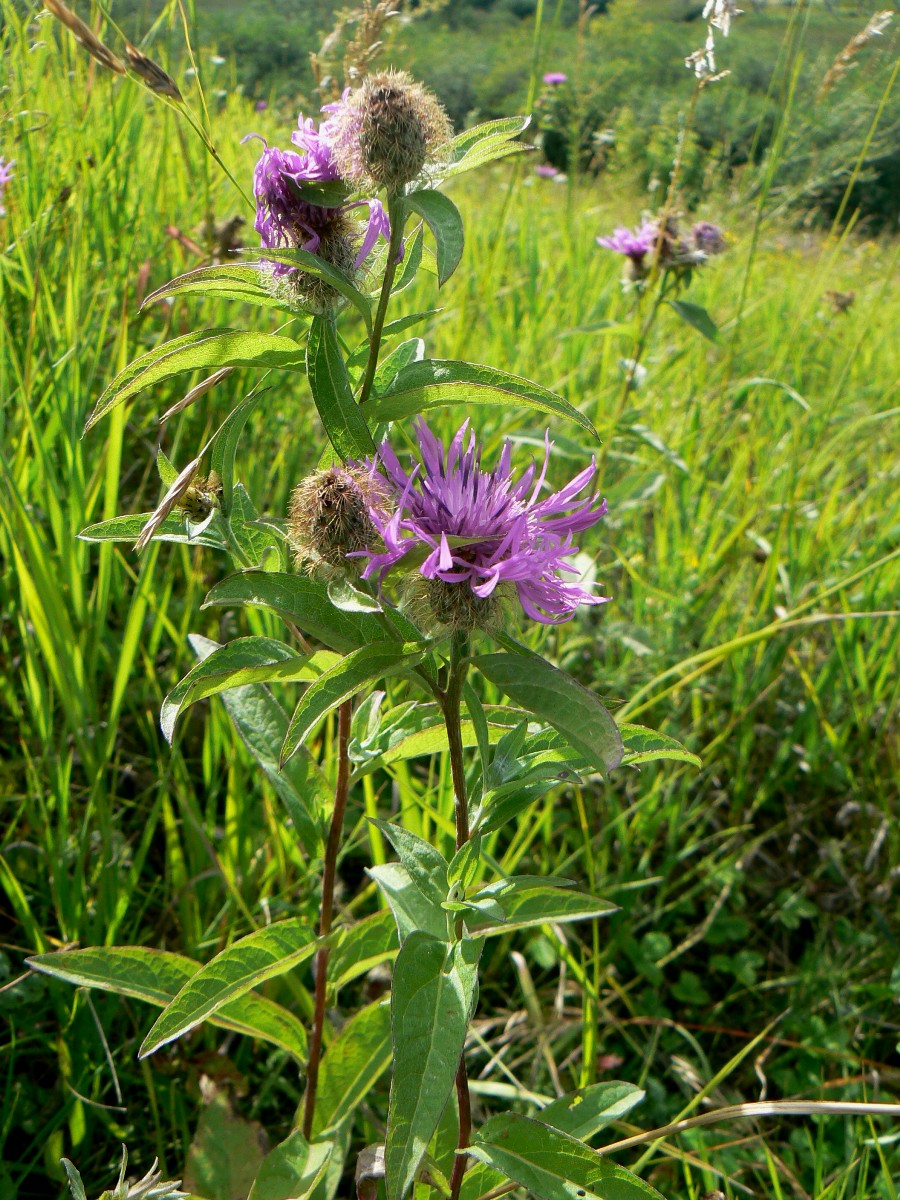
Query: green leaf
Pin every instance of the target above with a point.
(291, 1170)
(432, 999)
(204, 350)
(245, 660)
(482, 143)
(264, 954)
(697, 317)
(552, 1165)
(412, 260)
(261, 723)
(157, 976)
(412, 910)
(442, 217)
(303, 602)
(225, 444)
(128, 529)
(245, 282)
(73, 1175)
(559, 700)
(312, 264)
(360, 947)
(426, 866)
(644, 745)
(437, 382)
(352, 1065)
(225, 1153)
(522, 901)
(343, 680)
(407, 352)
(585, 1112)
(344, 423)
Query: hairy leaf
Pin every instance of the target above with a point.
(264, 954)
(432, 999)
(552, 1165)
(442, 217)
(557, 698)
(157, 976)
(436, 382)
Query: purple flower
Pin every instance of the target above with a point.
(633, 243)
(318, 163)
(6, 174)
(379, 225)
(554, 78)
(546, 171)
(519, 539)
(708, 238)
(261, 105)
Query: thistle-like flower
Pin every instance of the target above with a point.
(675, 252)
(634, 244)
(482, 533)
(331, 515)
(555, 78)
(707, 238)
(385, 132)
(6, 174)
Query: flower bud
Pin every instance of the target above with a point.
(329, 515)
(385, 132)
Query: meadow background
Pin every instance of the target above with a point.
(754, 527)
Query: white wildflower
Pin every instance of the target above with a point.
(721, 13)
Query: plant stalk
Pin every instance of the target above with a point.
(329, 872)
(451, 707)
(397, 215)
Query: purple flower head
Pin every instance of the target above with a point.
(283, 219)
(511, 536)
(708, 238)
(633, 243)
(6, 174)
(546, 171)
(554, 78)
(318, 164)
(261, 105)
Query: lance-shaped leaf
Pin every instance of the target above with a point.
(343, 680)
(528, 900)
(437, 382)
(426, 865)
(442, 217)
(559, 700)
(482, 143)
(361, 947)
(292, 1170)
(312, 264)
(225, 443)
(241, 662)
(697, 317)
(246, 964)
(552, 1165)
(129, 529)
(344, 423)
(388, 370)
(585, 1112)
(261, 723)
(157, 976)
(432, 999)
(244, 282)
(352, 1065)
(202, 351)
(302, 601)
(411, 908)
(643, 745)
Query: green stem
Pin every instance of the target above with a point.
(329, 873)
(397, 215)
(451, 704)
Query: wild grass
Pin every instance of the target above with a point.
(752, 558)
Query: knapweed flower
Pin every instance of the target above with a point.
(330, 515)
(285, 220)
(555, 78)
(261, 105)
(634, 244)
(386, 131)
(484, 534)
(708, 238)
(6, 174)
(546, 171)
